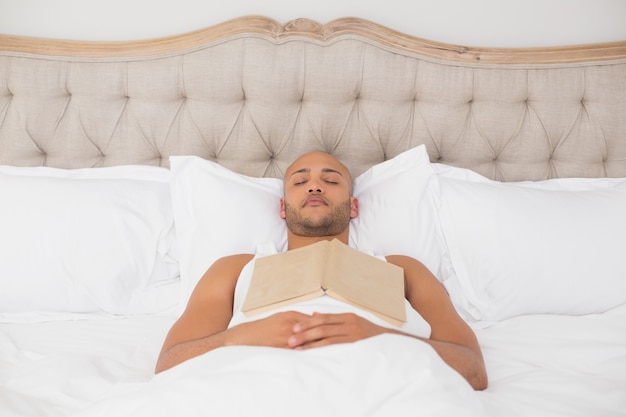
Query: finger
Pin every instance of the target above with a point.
(318, 319)
(318, 334)
(316, 344)
(324, 342)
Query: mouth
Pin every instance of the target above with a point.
(314, 201)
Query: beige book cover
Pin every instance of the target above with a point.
(331, 268)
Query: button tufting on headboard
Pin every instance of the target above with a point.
(253, 104)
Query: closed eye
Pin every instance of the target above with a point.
(331, 179)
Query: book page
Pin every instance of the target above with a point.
(366, 282)
(286, 277)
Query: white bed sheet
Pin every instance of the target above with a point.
(550, 365)
(538, 366)
(59, 367)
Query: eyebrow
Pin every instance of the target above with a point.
(308, 170)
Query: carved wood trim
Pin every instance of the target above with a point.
(309, 29)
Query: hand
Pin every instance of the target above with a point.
(327, 329)
(273, 331)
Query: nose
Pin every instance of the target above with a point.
(314, 187)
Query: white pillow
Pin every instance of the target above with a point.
(219, 212)
(85, 241)
(553, 247)
(397, 213)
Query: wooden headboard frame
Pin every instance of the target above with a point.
(347, 26)
(509, 113)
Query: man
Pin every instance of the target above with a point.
(317, 205)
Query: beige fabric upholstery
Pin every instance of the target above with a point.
(253, 105)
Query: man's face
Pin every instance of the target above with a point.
(318, 199)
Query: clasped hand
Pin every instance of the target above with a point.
(300, 331)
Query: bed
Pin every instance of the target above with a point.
(126, 168)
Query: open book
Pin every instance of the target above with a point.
(331, 268)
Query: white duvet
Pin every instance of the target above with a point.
(538, 366)
(382, 376)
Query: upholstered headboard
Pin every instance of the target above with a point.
(252, 94)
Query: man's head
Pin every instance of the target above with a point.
(318, 198)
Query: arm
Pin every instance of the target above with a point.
(450, 336)
(203, 326)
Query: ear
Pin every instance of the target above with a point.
(282, 208)
(354, 207)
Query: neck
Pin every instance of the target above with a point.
(296, 241)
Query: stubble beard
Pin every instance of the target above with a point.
(330, 225)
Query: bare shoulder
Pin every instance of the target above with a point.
(225, 270)
(414, 271)
(423, 290)
(218, 282)
(232, 262)
(406, 262)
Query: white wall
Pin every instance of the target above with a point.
(466, 22)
